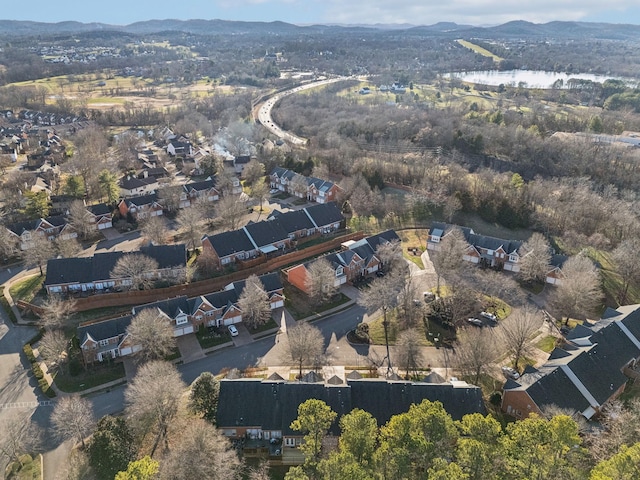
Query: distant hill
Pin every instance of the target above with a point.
(512, 29)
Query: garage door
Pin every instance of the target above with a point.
(183, 331)
(232, 320)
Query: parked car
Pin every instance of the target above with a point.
(233, 331)
(476, 321)
(510, 373)
(489, 316)
(379, 273)
(429, 296)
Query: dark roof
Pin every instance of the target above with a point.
(228, 243)
(99, 209)
(375, 241)
(555, 388)
(266, 232)
(293, 221)
(167, 256)
(632, 322)
(99, 267)
(558, 260)
(274, 405)
(242, 159)
(171, 307)
(325, 213)
(200, 186)
(129, 183)
(141, 200)
(27, 226)
(270, 281)
(600, 367)
(104, 330)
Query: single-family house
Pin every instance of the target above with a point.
(50, 228)
(177, 148)
(356, 260)
(141, 208)
(203, 191)
(483, 250)
(104, 340)
(175, 311)
(90, 274)
(267, 418)
(101, 215)
(280, 178)
(321, 191)
(584, 374)
(554, 276)
(135, 187)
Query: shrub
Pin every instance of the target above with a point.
(495, 399)
(362, 332)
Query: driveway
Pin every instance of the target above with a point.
(111, 233)
(243, 337)
(189, 347)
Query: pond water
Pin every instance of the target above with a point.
(531, 78)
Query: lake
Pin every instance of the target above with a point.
(531, 78)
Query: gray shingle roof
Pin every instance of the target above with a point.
(228, 243)
(104, 330)
(325, 214)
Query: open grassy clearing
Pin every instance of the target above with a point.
(27, 288)
(547, 344)
(90, 378)
(478, 49)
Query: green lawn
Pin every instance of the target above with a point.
(208, 340)
(27, 288)
(547, 344)
(478, 49)
(90, 378)
(298, 304)
(264, 327)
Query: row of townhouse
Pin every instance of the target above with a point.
(273, 236)
(265, 421)
(356, 260)
(57, 226)
(108, 339)
(586, 373)
(94, 274)
(312, 188)
(491, 251)
(143, 198)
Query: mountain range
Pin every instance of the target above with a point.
(512, 29)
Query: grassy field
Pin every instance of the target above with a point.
(547, 344)
(27, 288)
(90, 378)
(299, 306)
(414, 238)
(478, 49)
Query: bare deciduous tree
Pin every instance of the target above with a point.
(306, 344)
(621, 427)
(253, 171)
(229, 212)
(579, 290)
(8, 243)
(408, 350)
(449, 258)
(260, 192)
(518, 331)
(202, 452)
(53, 349)
(299, 185)
(155, 230)
(383, 294)
(67, 248)
(137, 268)
(72, 418)
(55, 311)
(320, 281)
(170, 197)
(81, 219)
(153, 332)
(535, 257)
(152, 399)
(625, 257)
(40, 252)
(475, 350)
(189, 222)
(19, 435)
(254, 303)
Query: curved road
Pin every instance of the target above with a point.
(264, 112)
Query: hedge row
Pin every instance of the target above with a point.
(7, 307)
(37, 371)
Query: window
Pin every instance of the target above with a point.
(224, 261)
(103, 343)
(513, 258)
(290, 442)
(181, 320)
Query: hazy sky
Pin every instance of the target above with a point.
(417, 12)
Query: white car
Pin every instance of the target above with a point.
(489, 316)
(510, 373)
(476, 321)
(233, 331)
